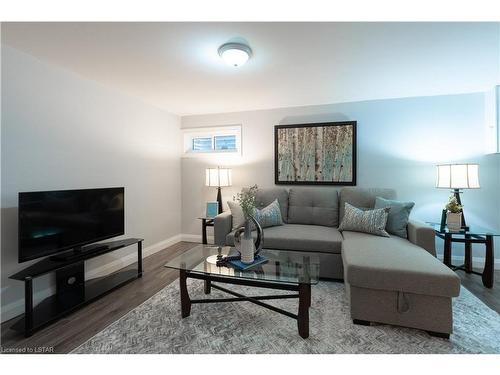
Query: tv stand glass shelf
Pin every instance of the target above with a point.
(72, 290)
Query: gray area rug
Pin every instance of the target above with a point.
(242, 327)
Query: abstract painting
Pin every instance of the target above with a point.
(315, 154)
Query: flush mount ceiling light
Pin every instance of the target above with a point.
(235, 54)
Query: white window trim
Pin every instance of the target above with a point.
(492, 119)
(190, 133)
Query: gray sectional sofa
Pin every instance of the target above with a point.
(388, 280)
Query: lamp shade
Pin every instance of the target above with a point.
(458, 176)
(218, 177)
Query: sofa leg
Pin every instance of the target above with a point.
(361, 322)
(439, 334)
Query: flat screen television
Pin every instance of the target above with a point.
(51, 222)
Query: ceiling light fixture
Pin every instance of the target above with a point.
(235, 54)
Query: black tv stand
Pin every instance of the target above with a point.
(72, 290)
(79, 252)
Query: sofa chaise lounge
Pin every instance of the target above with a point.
(388, 280)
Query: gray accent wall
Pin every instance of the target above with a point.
(399, 143)
(62, 131)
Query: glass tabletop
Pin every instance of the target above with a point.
(472, 230)
(282, 266)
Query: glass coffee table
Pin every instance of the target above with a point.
(285, 270)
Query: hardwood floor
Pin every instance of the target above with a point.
(73, 330)
(490, 297)
(70, 332)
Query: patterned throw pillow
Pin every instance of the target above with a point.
(269, 216)
(371, 221)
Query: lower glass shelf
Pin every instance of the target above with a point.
(58, 305)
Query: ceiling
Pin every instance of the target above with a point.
(175, 66)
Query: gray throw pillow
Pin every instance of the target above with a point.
(399, 215)
(270, 215)
(370, 221)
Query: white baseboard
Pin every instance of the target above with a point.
(196, 238)
(477, 262)
(16, 308)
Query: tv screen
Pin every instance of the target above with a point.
(54, 221)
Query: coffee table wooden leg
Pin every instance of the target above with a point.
(488, 264)
(303, 316)
(208, 286)
(185, 300)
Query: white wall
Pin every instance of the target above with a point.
(399, 143)
(60, 131)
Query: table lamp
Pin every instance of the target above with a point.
(457, 177)
(218, 177)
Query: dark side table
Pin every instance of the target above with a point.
(473, 234)
(205, 222)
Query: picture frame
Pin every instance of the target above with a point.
(212, 209)
(315, 154)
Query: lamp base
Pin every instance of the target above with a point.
(219, 199)
(456, 193)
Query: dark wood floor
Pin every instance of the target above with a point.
(490, 297)
(72, 331)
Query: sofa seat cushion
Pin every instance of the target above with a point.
(301, 237)
(395, 264)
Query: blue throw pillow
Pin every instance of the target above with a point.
(398, 215)
(269, 216)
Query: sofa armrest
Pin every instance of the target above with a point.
(223, 223)
(422, 235)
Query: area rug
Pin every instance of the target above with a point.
(242, 327)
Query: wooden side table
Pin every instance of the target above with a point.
(205, 222)
(468, 237)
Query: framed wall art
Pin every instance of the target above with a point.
(315, 154)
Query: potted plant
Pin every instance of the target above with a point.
(453, 213)
(246, 245)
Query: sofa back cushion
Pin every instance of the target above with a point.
(266, 196)
(314, 206)
(362, 198)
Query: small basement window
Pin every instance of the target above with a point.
(212, 140)
(225, 142)
(202, 144)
